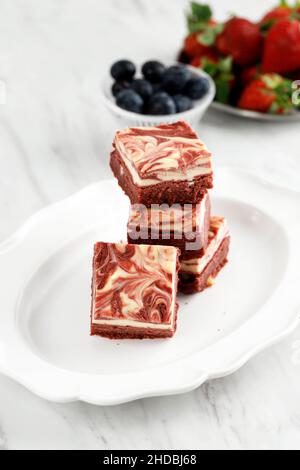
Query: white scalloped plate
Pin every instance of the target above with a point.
(45, 271)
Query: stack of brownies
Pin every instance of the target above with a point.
(172, 239)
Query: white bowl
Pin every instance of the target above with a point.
(130, 119)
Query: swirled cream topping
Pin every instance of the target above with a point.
(134, 285)
(171, 152)
(218, 231)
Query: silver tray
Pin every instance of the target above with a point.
(225, 108)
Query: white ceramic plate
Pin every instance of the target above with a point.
(45, 272)
(225, 108)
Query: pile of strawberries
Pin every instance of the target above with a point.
(253, 64)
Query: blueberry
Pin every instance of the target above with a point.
(123, 70)
(157, 87)
(119, 86)
(160, 104)
(196, 88)
(176, 78)
(142, 88)
(130, 100)
(182, 103)
(153, 71)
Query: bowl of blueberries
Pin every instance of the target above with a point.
(158, 94)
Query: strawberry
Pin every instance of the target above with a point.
(203, 30)
(201, 60)
(282, 12)
(294, 75)
(249, 74)
(282, 47)
(278, 13)
(221, 44)
(193, 47)
(256, 97)
(242, 40)
(269, 94)
(221, 72)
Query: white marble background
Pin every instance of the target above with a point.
(54, 139)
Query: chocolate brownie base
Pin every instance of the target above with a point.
(181, 244)
(129, 332)
(191, 283)
(168, 192)
(116, 332)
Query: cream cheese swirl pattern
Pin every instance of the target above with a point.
(134, 283)
(180, 219)
(218, 232)
(163, 153)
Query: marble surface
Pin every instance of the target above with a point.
(55, 139)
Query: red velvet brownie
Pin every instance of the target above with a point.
(163, 164)
(134, 291)
(197, 274)
(185, 226)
